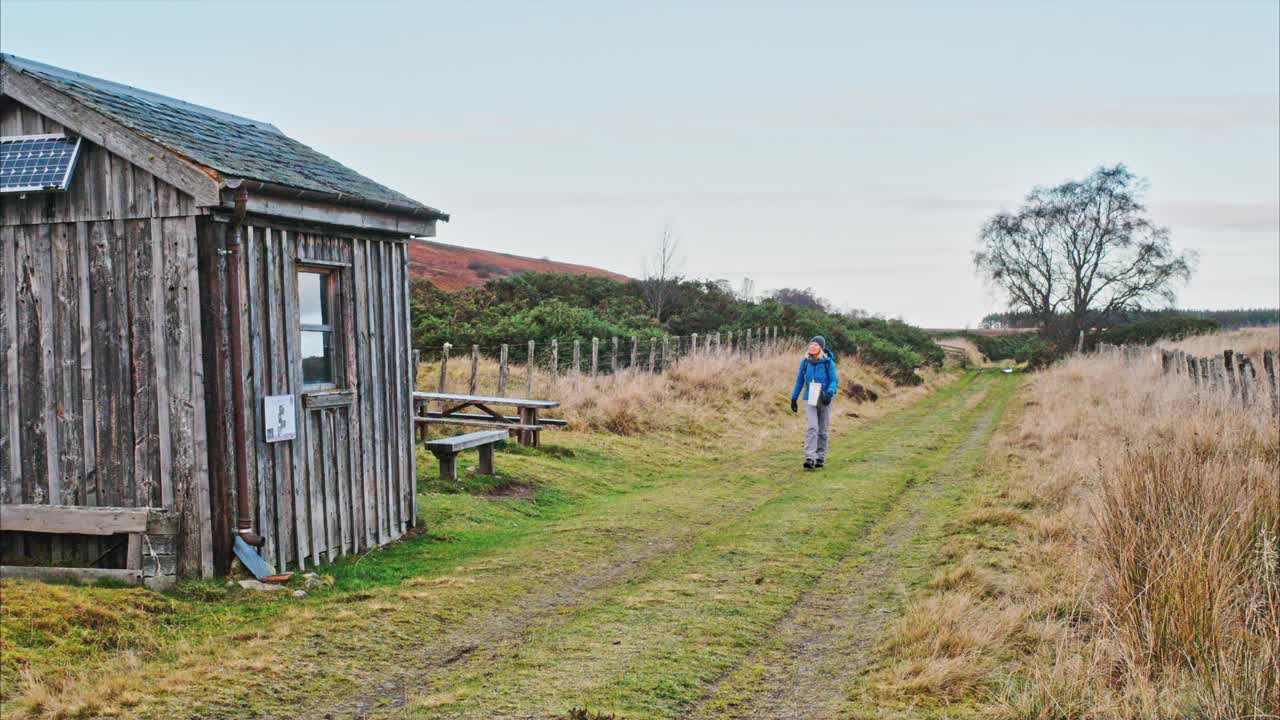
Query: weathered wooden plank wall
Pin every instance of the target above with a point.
(99, 350)
(345, 484)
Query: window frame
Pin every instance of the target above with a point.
(331, 277)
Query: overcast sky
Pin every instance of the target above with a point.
(852, 147)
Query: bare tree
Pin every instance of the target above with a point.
(1083, 250)
(660, 273)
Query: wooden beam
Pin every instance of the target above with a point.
(70, 519)
(102, 130)
(85, 575)
(79, 520)
(260, 203)
(328, 398)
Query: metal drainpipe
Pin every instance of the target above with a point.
(244, 522)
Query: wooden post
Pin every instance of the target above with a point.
(1192, 370)
(503, 371)
(1269, 369)
(555, 359)
(653, 353)
(1215, 369)
(729, 342)
(417, 363)
(532, 361)
(635, 355)
(613, 356)
(665, 350)
(1228, 362)
(1204, 371)
(1248, 381)
(595, 355)
(693, 348)
(1165, 359)
(749, 343)
(444, 366)
(577, 356)
(474, 381)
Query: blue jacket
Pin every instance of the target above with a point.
(823, 371)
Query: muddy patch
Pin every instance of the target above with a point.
(511, 491)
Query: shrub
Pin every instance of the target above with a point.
(1148, 332)
(546, 306)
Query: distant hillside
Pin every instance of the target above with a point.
(451, 267)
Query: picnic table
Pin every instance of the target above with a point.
(526, 425)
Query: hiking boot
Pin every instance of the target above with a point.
(819, 463)
(808, 464)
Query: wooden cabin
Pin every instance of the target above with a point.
(118, 303)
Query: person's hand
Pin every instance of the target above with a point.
(825, 398)
(794, 406)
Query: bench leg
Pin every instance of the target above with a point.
(486, 459)
(133, 558)
(448, 466)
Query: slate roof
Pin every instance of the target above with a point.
(234, 146)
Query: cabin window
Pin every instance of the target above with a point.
(316, 327)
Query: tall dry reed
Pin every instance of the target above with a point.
(1176, 491)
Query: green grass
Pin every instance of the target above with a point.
(640, 571)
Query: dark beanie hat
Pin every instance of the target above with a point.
(820, 340)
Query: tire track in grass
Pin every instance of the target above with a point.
(486, 641)
(650, 646)
(823, 645)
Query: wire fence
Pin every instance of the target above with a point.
(522, 366)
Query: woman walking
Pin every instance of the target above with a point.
(818, 383)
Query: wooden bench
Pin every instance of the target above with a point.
(446, 450)
(151, 540)
(526, 425)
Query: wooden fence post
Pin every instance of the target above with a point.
(653, 353)
(475, 370)
(417, 363)
(444, 366)
(1248, 381)
(665, 350)
(533, 360)
(1228, 363)
(750, 344)
(1193, 370)
(613, 356)
(1269, 369)
(595, 355)
(635, 357)
(503, 371)
(1215, 369)
(729, 341)
(577, 356)
(555, 359)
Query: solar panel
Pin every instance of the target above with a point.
(34, 163)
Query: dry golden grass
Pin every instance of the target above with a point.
(1251, 341)
(1136, 530)
(704, 393)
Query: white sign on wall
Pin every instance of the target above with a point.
(279, 419)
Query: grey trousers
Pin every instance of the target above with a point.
(815, 435)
